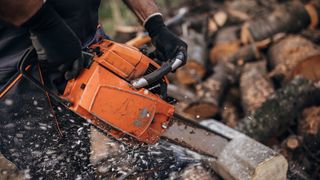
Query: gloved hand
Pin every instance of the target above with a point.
(55, 42)
(69, 69)
(168, 45)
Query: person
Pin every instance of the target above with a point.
(36, 133)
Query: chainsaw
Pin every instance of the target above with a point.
(123, 92)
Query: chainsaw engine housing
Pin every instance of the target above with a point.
(102, 94)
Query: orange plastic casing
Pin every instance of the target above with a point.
(103, 95)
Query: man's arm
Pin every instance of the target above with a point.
(142, 9)
(17, 12)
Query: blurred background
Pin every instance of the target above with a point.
(114, 13)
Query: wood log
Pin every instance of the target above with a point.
(287, 53)
(181, 93)
(309, 129)
(229, 111)
(255, 87)
(292, 142)
(234, 53)
(312, 35)
(125, 33)
(184, 97)
(216, 20)
(195, 69)
(229, 49)
(245, 54)
(210, 92)
(228, 35)
(280, 110)
(310, 121)
(195, 172)
(308, 68)
(242, 10)
(244, 158)
(290, 17)
(8, 171)
(139, 40)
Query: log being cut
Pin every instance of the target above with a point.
(232, 154)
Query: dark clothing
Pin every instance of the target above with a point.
(80, 15)
(29, 135)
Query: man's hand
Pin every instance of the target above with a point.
(53, 40)
(56, 44)
(168, 45)
(70, 69)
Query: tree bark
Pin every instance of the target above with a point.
(309, 129)
(290, 17)
(280, 110)
(255, 87)
(229, 111)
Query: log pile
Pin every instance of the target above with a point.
(255, 66)
(257, 70)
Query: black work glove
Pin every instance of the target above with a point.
(55, 42)
(168, 45)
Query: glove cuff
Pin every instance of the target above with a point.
(154, 24)
(149, 17)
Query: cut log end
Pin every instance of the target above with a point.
(191, 73)
(274, 168)
(286, 54)
(292, 142)
(255, 87)
(202, 110)
(308, 68)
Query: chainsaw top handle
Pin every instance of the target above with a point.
(159, 73)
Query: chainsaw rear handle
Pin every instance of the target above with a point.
(159, 73)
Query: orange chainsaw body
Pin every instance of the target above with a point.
(103, 95)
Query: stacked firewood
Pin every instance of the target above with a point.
(255, 66)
